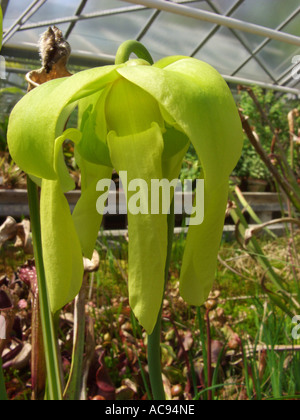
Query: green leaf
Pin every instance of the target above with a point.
(150, 113)
(60, 168)
(129, 109)
(85, 216)
(197, 100)
(61, 248)
(92, 122)
(176, 145)
(141, 155)
(39, 118)
(11, 90)
(203, 241)
(1, 27)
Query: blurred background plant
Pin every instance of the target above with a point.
(3, 131)
(10, 175)
(271, 118)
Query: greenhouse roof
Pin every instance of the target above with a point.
(248, 41)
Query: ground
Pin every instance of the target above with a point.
(242, 319)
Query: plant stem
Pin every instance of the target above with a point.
(129, 47)
(209, 355)
(154, 354)
(204, 349)
(38, 364)
(52, 366)
(3, 394)
(74, 386)
(154, 362)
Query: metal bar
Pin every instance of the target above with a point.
(267, 40)
(21, 51)
(155, 15)
(242, 42)
(16, 70)
(148, 24)
(7, 82)
(259, 62)
(29, 8)
(94, 15)
(33, 8)
(203, 15)
(216, 27)
(98, 60)
(269, 86)
(77, 13)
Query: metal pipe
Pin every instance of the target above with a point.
(242, 42)
(266, 41)
(93, 15)
(77, 13)
(269, 86)
(216, 27)
(148, 24)
(220, 20)
(154, 16)
(31, 9)
(93, 60)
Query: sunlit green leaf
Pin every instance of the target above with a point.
(140, 120)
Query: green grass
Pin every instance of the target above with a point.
(254, 319)
(243, 316)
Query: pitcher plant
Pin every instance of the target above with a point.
(138, 118)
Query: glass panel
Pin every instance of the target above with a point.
(14, 10)
(276, 55)
(104, 35)
(269, 13)
(55, 9)
(223, 51)
(253, 71)
(96, 5)
(223, 5)
(172, 34)
(169, 34)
